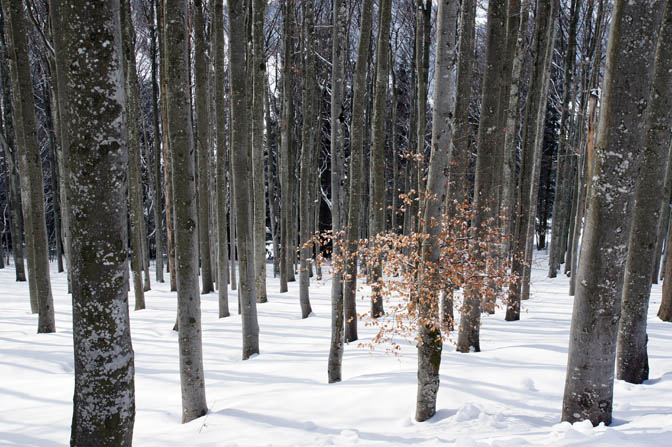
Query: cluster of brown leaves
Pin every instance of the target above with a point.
(417, 290)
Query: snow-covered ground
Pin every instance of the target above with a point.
(508, 395)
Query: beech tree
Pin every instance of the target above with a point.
(97, 153)
(597, 305)
(30, 167)
(186, 218)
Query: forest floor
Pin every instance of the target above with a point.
(508, 395)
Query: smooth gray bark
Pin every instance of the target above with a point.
(430, 343)
(9, 148)
(376, 168)
(632, 363)
(597, 305)
(337, 131)
(186, 217)
(30, 165)
(307, 149)
(547, 12)
(202, 143)
(484, 195)
(220, 105)
(240, 164)
(104, 408)
(259, 93)
(133, 141)
(356, 155)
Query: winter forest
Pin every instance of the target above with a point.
(335, 222)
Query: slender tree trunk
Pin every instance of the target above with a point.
(561, 201)
(285, 143)
(202, 143)
(167, 149)
(30, 165)
(307, 149)
(240, 163)
(377, 173)
(337, 130)
(484, 196)
(257, 119)
(220, 104)
(547, 13)
(186, 228)
(356, 155)
(156, 147)
(9, 148)
(597, 306)
(133, 141)
(430, 344)
(663, 224)
(104, 397)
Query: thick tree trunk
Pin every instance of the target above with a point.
(186, 217)
(307, 149)
(220, 104)
(597, 306)
(202, 143)
(632, 363)
(30, 165)
(337, 131)
(484, 196)
(241, 164)
(133, 141)
(104, 408)
(430, 344)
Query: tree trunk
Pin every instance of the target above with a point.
(240, 164)
(377, 172)
(156, 146)
(133, 141)
(9, 148)
(531, 160)
(30, 165)
(259, 92)
(337, 131)
(562, 199)
(167, 149)
(484, 196)
(104, 408)
(356, 155)
(222, 227)
(202, 143)
(186, 227)
(307, 149)
(430, 344)
(632, 363)
(597, 306)
(285, 142)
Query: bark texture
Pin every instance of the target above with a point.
(597, 305)
(240, 164)
(186, 217)
(30, 165)
(104, 397)
(337, 130)
(430, 344)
